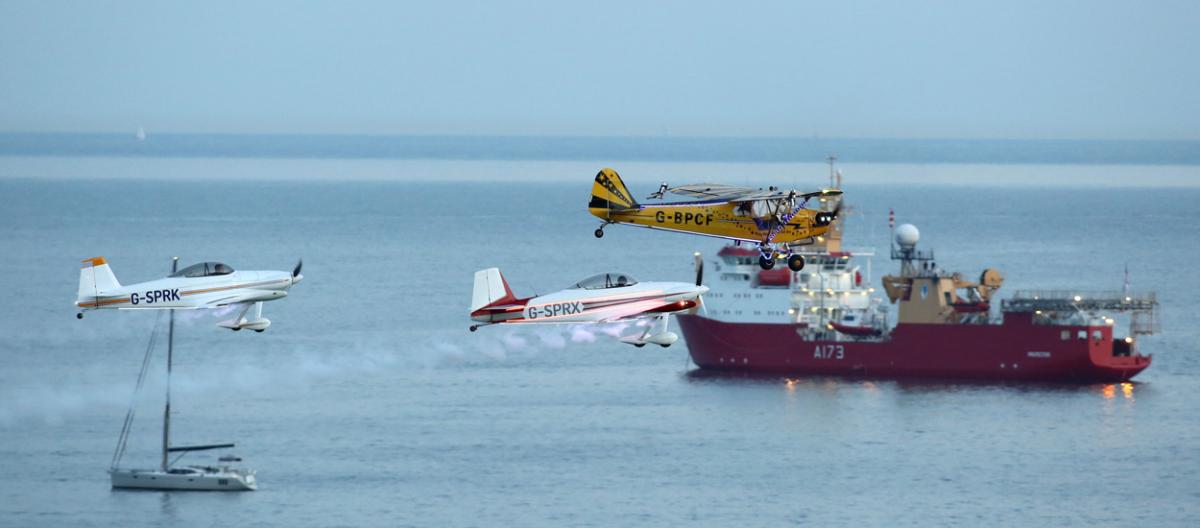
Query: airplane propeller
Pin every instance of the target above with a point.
(828, 217)
(699, 281)
(296, 271)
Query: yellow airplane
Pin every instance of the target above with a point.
(773, 219)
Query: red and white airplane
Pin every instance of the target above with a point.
(203, 285)
(601, 298)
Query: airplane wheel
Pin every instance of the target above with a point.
(236, 329)
(79, 315)
(260, 331)
(664, 346)
(599, 233)
(766, 263)
(795, 263)
(639, 345)
(474, 328)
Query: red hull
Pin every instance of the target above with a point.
(1018, 349)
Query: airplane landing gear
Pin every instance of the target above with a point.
(474, 328)
(599, 232)
(260, 331)
(79, 315)
(795, 262)
(639, 345)
(766, 263)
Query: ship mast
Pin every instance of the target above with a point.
(166, 443)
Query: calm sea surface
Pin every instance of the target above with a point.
(368, 403)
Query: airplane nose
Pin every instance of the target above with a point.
(297, 278)
(702, 289)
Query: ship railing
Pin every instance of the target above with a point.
(824, 251)
(1080, 300)
(911, 254)
(1144, 323)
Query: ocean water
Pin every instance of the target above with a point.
(368, 403)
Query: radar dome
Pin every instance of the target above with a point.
(907, 235)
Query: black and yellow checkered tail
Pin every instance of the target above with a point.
(610, 194)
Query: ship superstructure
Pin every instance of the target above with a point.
(833, 289)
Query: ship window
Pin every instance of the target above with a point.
(1082, 334)
(1066, 334)
(1096, 335)
(605, 280)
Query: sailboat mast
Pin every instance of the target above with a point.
(166, 444)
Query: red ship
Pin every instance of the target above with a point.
(946, 326)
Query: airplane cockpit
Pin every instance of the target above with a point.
(603, 281)
(204, 269)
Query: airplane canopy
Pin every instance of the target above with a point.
(602, 281)
(204, 269)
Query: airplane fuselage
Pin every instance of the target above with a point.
(591, 306)
(719, 219)
(194, 292)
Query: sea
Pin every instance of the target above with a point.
(369, 403)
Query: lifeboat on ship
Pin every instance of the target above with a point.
(852, 325)
(781, 278)
(855, 330)
(971, 307)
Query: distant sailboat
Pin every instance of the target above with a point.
(202, 478)
(141, 134)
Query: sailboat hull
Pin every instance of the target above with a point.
(190, 479)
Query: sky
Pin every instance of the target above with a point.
(954, 69)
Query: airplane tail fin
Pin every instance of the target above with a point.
(490, 289)
(609, 193)
(96, 277)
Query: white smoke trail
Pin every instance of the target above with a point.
(98, 390)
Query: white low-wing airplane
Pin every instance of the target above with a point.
(203, 285)
(602, 298)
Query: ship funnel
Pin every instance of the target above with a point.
(907, 236)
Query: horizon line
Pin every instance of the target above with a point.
(176, 133)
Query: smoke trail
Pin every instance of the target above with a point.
(105, 388)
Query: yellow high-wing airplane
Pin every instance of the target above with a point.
(773, 219)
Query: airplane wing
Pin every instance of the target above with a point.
(627, 317)
(778, 195)
(158, 307)
(237, 298)
(762, 195)
(712, 191)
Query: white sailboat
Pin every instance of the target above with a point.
(221, 477)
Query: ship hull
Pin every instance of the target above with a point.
(1018, 349)
(151, 479)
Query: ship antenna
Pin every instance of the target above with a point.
(892, 229)
(831, 159)
(1126, 285)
